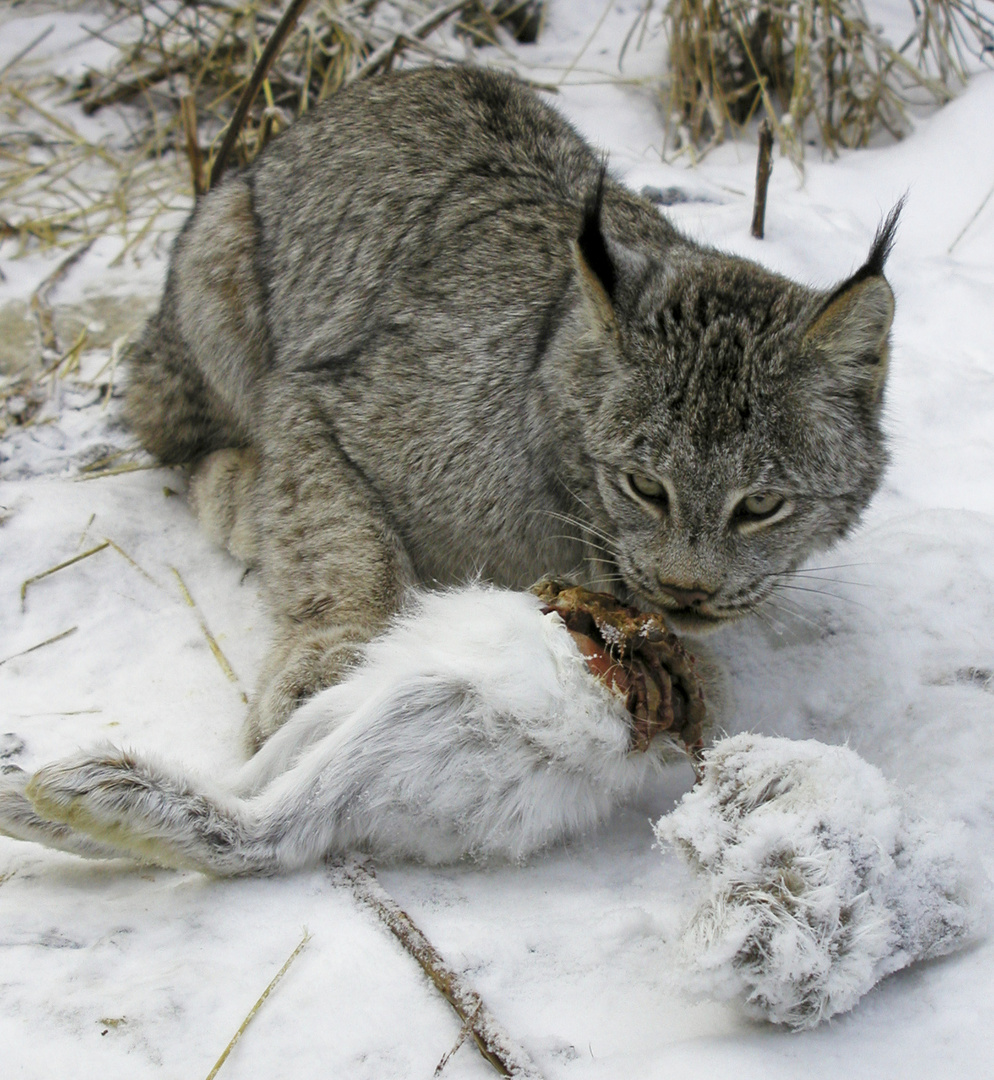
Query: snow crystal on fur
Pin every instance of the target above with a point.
(818, 879)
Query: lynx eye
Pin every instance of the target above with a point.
(760, 505)
(647, 488)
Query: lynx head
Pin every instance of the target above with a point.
(734, 417)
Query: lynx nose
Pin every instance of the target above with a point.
(686, 598)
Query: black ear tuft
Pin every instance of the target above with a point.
(879, 250)
(591, 240)
(882, 243)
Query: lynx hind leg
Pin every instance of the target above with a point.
(20, 820)
(131, 806)
(167, 402)
(193, 373)
(222, 489)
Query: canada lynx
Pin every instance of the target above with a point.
(425, 338)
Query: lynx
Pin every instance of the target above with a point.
(425, 340)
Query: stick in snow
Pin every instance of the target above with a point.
(258, 77)
(764, 166)
(493, 1042)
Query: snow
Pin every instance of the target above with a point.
(111, 971)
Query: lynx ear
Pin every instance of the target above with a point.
(603, 263)
(852, 328)
(596, 264)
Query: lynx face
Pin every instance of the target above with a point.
(744, 433)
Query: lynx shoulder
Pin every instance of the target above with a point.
(425, 337)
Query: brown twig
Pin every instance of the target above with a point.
(188, 117)
(493, 1042)
(269, 54)
(764, 166)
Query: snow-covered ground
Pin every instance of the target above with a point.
(110, 971)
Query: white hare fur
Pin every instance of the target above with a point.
(818, 878)
(472, 727)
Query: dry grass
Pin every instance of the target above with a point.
(122, 151)
(41, 645)
(177, 72)
(102, 546)
(222, 660)
(173, 57)
(812, 66)
(28, 582)
(258, 1005)
(60, 186)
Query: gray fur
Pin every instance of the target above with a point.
(440, 340)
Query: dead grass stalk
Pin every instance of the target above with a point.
(812, 66)
(258, 1005)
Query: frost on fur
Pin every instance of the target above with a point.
(818, 879)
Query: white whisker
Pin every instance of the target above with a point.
(793, 613)
(821, 592)
(583, 526)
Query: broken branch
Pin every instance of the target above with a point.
(764, 166)
(491, 1039)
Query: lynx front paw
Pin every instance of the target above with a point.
(298, 670)
(221, 491)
